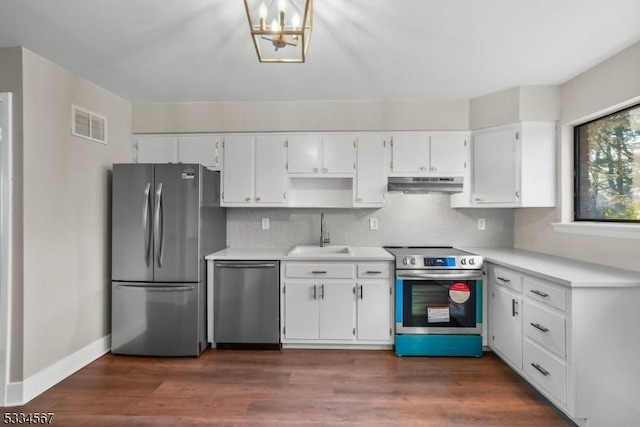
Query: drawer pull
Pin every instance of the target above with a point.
(539, 293)
(373, 272)
(502, 279)
(541, 369)
(539, 327)
(318, 272)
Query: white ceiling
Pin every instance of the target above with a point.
(201, 50)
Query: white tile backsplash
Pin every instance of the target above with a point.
(411, 220)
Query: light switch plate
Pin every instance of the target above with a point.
(373, 223)
(265, 223)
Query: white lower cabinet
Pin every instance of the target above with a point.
(505, 322)
(336, 304)
(373, 310)
(528, 330)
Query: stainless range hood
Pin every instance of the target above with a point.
(427, 184)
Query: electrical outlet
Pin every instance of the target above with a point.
(482, 224)
(265, 223)
(373, 223)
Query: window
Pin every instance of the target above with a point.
(607, 168)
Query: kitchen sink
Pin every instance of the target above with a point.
(329, 250)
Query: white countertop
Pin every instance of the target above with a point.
(358, 253)
(568, 272)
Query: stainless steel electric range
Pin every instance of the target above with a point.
(438, 309)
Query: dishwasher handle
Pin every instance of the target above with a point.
(245, 265)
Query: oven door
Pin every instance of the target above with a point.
(439, 302)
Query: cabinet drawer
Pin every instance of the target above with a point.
(319, 270)
(373, 270)
(508, 278)
(546, 371)
(546, 292)
(545, 327)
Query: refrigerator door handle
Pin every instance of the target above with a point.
(159, 224)
(146, 232)
(148, 288)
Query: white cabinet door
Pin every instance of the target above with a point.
(303, 154)
(301, 311)
(270, 177)
(337, 310)
(238, 171)
(495, 166)
(410, 154)
(371, 179)
(448, 154)
(373, 310)
(338, 154)
(201, 149)
(157, 149)
(505, 323)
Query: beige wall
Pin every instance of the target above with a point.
(606, 86)
(11, 81)
(301, 116)
(521, 103)
(66, 213)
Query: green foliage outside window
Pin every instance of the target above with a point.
(607, 168)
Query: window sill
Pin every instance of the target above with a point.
(623, 231)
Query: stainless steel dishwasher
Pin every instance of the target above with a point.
(246, 309)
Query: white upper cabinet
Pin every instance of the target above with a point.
(371, 178)
(238, 173)
(157, 149)
(449, 154)
(321, 156)
(270, 170)
(514, 166)
(410, 154)
(202, 149)
(429, 154)
(338, 154)
(254, 173)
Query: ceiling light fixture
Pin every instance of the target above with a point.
(281, 29)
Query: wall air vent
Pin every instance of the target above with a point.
(86, 124)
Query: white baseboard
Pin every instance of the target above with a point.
(19, 393)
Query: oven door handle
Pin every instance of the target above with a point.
(436, 276)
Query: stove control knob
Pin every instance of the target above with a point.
(463, 261)
(471, 261)
(405, 261)
(413, 261)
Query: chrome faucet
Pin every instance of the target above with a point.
(323, 239)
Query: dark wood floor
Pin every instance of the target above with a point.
(295, 387)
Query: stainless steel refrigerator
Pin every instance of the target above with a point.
(165, 219)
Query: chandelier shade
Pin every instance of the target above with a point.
(281, 29)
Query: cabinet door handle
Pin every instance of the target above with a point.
(315, 292)
(361, 291)
(315, 169)
(514, 308)
(539, 327)
(541, 369)
(257, 199)
(539, 293)
(325, 170)
(321, 291)
(247, 199)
